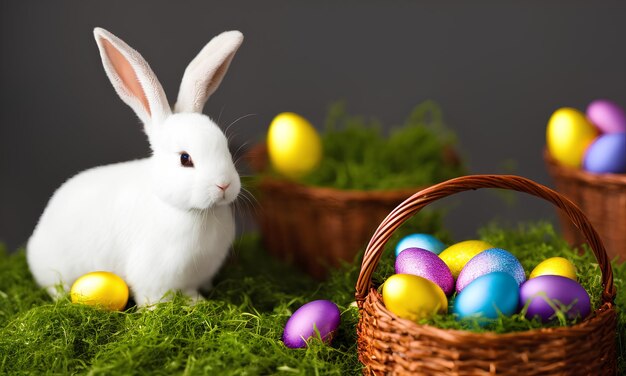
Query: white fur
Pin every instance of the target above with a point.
(158, 225)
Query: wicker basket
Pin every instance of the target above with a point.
(301, 224)
(602, 197)
(388, 344)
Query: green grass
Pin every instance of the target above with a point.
(237, 331)
(357, 155)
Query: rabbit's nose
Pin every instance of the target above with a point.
(223, 187)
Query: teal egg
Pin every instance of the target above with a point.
(487, 295)
(422, 241)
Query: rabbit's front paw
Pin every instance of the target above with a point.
(194, 295)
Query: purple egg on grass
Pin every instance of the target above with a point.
(607, 116)
(489, 261)
(547, 288)
(607, 154)
(425, 264)
(320, 315)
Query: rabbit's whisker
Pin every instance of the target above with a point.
(239, 149)
(235, 121)
(219, 116)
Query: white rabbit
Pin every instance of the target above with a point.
(161, 223)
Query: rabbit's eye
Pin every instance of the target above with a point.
(185, 160)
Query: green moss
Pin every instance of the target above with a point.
(237, 331)
(358, 156)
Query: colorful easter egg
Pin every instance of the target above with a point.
(607, 116)
(413, 297)
(489, 261)
(544, 292)
(425, 264)
(554, 266)
(607, 154)
(457, 255)
(569, 133)
(102, 289)
(320, 315)
(423, 241)
(487, 295)
(293, 145)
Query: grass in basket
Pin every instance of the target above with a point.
(531, 245)
(357, 155)
(238, 329)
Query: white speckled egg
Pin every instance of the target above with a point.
(489, 261)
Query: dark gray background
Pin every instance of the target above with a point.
(498, 69)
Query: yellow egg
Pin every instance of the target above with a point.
(457, 255)
(568, 136)
(293, 145)
(103, 289)
(413, 297)
(555, 266)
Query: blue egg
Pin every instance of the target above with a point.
(607, 154)
(487, 296)
(423, 241)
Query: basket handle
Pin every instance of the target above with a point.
(415, 203)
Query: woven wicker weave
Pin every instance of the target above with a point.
(602, 197)
(302, 224)
(391, 345)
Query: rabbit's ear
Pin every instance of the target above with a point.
(206, 71)
(132, 78)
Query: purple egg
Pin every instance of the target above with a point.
(322, 315)
(425, 264)
(607, 116)
(489, 261)
(607, 154)
(554, 287)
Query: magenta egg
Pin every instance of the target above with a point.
(425, 264)
(546, 290)
(607, 116)
(320, 315)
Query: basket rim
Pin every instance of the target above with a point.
(582, 175)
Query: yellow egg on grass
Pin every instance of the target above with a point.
(555, 266)
(103, 289)
(412, 297)
(457, 255)
(293, 145)
(568, 136)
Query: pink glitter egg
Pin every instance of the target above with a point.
(607, 116)
(425, 264)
